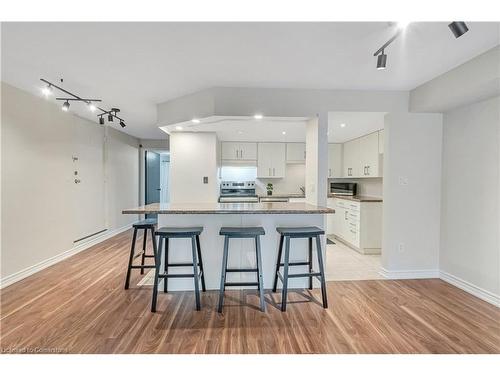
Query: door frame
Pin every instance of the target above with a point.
(142, 170)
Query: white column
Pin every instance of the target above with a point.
(317, 159)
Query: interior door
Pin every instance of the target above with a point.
(152, 188)
(87, 179)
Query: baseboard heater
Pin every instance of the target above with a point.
(90, 235)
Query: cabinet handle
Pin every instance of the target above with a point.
(329, 172)
(241, 154)
(345, 215)
(269, 171)
(367, 170)
(274, 173)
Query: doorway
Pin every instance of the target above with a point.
(156, 174)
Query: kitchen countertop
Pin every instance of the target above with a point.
(289, 195)
(230, 208)
(356, 198)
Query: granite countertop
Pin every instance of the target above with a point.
(356, 198)
(230, 208)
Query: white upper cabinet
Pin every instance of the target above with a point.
(369, 155)
(335, 160)
(239, 151)
(271, 160)
(351, 158)
(295, 152)
(361, 157)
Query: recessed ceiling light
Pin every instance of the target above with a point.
(178, 127)
(283, 133)
(342, 125)
(240, 132)
(195, 121)
(258, 116)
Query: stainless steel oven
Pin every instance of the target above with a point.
(238, 192)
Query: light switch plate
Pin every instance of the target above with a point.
(205, 180)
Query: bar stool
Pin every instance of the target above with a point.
(286, 233)
(146, 225)
(164, 235)
(242, 232)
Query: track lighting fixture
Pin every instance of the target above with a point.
(49, 89)
(381, 61)
(458, 28)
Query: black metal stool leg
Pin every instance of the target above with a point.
(157, 254)
(165, 266)
(223, 274)
(322, 272)
(200, 260)
(310, 261)
(130, 259)
(195, 273)
(285, 274)
(259, 276)
(278, 261)
(144, 250)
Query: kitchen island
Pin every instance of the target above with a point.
(213, 216)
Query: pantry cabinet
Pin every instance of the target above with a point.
(335, 160)
(244, 151)
(351, 159)
(271, 160)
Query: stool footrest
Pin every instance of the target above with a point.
(242, 270)
(177, 275)
(145, 266)
(181, 264)
(241, 284)
(312, 274)
(295, 264)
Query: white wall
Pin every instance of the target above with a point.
(42, 209)
(192, 157)
(412, 153)
(470, 247)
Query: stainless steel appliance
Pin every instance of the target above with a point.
(238, 192)
(343, 188)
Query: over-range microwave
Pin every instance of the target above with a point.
(343, 188)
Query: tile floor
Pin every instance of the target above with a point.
(344, 263)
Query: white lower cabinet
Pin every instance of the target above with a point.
(357, 224)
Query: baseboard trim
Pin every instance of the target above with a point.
(468, 287)
(409, 274)
(15, 277)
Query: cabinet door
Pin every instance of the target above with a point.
(230, 150)
(295, 152)
(264, 160)
(351, 158)
(278, 160)
(335, 160)
(248, 151)
(370, 155)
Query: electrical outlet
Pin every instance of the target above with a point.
(403, 181)
(401, 247)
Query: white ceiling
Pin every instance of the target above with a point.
(283, 129)
(134, 66)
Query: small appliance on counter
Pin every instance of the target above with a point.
(343, 188)
(238, 192)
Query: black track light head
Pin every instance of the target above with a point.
(110, 117)
(65, 106)
(101, 120)
(122, 124)
(381, 61)
(458, 28)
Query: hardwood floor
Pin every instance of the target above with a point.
(80, 306)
